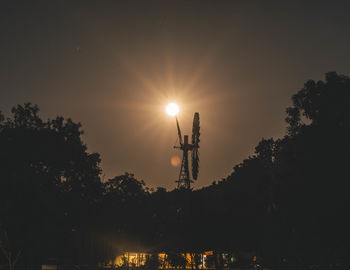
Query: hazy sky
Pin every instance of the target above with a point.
(114, 65)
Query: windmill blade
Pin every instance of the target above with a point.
(179, 131)
(195, 164)
(195, 146)
(195, 131)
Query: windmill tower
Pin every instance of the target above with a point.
(186, 147)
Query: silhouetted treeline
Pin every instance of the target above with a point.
(287, 204)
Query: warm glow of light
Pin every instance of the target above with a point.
(172, 109)
(175, 161)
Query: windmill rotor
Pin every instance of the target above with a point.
(195, 146)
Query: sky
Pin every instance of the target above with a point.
(114, 65)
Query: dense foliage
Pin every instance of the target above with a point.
(286, 204)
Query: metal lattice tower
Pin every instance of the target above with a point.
(184, 176)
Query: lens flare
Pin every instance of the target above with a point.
(175, 161)
(172, 109)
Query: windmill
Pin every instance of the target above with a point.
(186, 147)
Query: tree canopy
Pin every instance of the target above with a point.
(287, 203)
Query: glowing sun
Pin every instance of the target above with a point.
(172, 109)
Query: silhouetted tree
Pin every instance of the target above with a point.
(48, 185)
(152, 262)
(9, 250)
(176, 260)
